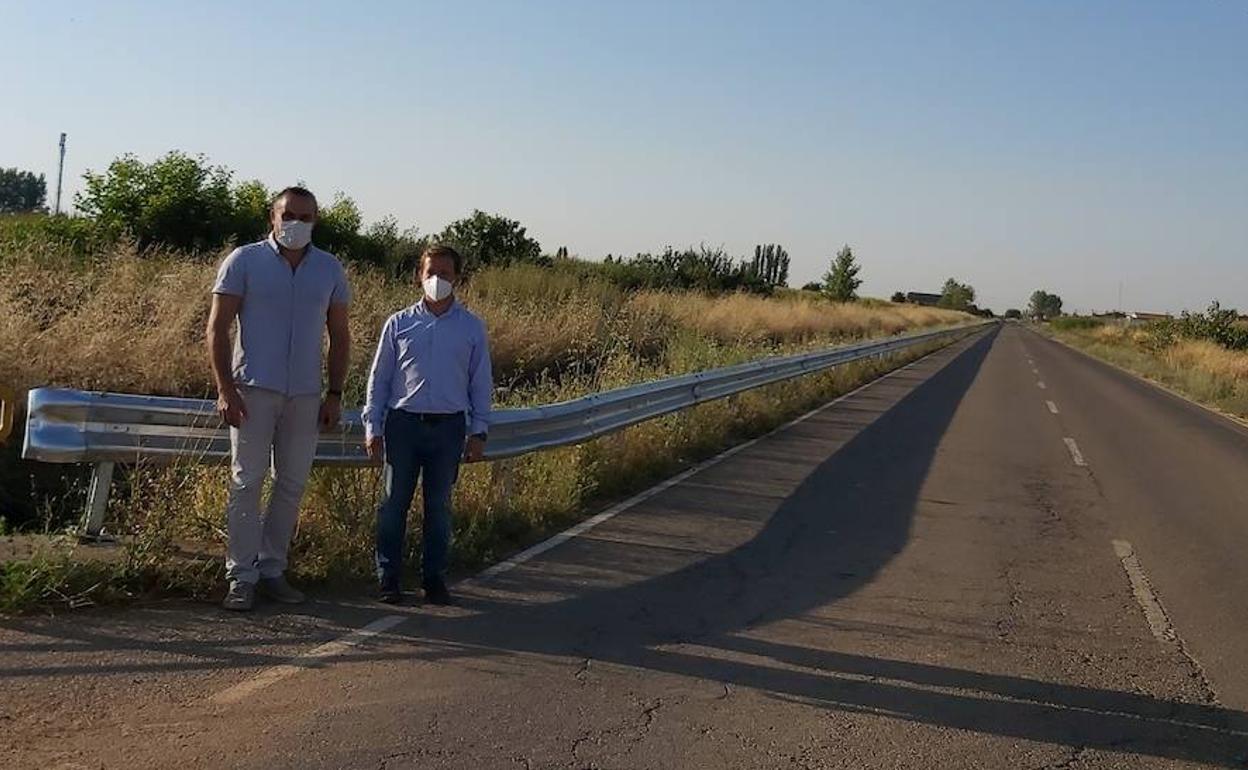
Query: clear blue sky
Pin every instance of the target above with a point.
(1068, 145)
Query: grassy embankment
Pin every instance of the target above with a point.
(1199, 369)
(129, 324)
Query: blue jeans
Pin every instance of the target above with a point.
(412, 447)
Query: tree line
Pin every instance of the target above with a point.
(22, 192)
(187, 203)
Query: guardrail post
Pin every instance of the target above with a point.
(97, 501)
(8, 410)
(503, 477)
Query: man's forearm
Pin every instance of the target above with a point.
(339, 359)
(221, 358)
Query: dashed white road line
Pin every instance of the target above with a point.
(1052, 406)
(1158, 622)
(1041, 385)
(328, 650)
(1075, 454)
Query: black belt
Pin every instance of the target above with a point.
(431, 417)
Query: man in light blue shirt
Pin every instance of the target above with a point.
(428, 408)
(285, 293)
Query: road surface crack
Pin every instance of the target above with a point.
(1077, 754)
(1006, 624)
(631, 732)
(649, 714)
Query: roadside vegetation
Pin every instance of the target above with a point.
(92, 302)
(1204, 356)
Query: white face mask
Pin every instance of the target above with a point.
(293, 234)
(437, 288)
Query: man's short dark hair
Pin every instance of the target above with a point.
(296, 190)
(444, 251)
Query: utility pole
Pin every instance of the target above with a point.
(1120, 310)
(60, 174)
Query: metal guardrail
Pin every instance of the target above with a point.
(71, 426)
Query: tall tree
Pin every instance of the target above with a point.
(1044, 305)
(770, 265)
(21, 191)
(177, 200)
(957, 296)
(489, 239)
(841, 282)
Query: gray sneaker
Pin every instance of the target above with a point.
(277, 589)
(241, 597)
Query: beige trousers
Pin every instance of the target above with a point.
(278, 436)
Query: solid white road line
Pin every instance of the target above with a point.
(328, 650)
(1075, 454)
(1239, 421)
(1052, 406)
(1158, 622)
(387, 622)
(588, 524)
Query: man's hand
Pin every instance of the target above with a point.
(376, 448)
(331, 412)
(231, 407)
(474, 450)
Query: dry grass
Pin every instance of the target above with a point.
(1200, 355)
(1211, 358)
(800, 320)
(1201, 370)
(127, 323)
(121, 324)
(130, 323)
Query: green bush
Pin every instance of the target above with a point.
(177, 201)
(700, 269)
(79, 234)
(492, 240)
(1217, 324)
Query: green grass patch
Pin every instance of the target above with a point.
(1068, 323)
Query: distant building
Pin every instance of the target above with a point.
(920, 298)
(1139, 318)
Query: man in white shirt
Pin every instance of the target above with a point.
(285, 293)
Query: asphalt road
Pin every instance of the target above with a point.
(954, 567)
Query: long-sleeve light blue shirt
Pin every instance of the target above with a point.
(430, 364)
